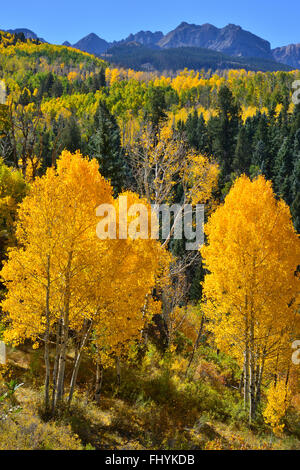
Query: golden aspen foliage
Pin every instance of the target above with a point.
(124, 303)
(55, 220)
(12, 190)
(63, 274)
(252, 291)
(72, 76)
(278, 400)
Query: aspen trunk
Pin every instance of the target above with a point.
(144, 332)
(62, 361)
(196, 344)
(2, 353)
(252, 373)
(99, 381)
(241, 382)
(47, 337)
(252, 392)
(77, 361)
(246, 359)
(259, 382)
(64, 338)
(47, 367)
(118, 367)
(246, 378)
(55, 367)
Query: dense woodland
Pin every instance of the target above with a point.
(140, 344)
(134, 55)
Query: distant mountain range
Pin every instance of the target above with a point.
(146, 49)
(232, 40)
(135, 55)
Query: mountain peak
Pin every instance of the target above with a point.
(289, 55)
(92, 44)
(231, 40)
(183, 23)
(146, 38)
(233, 26)
(92, 36)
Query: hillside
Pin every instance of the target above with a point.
(27, 33)
(18, 55)
(114, 338)
(147, 410)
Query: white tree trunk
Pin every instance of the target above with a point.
(2, 353)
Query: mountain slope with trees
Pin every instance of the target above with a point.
(137, 343)
(172, 59)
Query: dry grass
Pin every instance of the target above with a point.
(155, 408)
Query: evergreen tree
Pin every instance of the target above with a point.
(295, 176)
(282, 170)
(105, 146)
(57, 88)
(295, 121)
(242, 156)
(203, 145)
(98, 81)
(71, 136)
(262, 130)
(224, 129)
(197, 273)
(155, 106)
(259, 158)
(274, 144)
(192, 129)
(295, 193)
(297, 144)
(196, 132)
(295, 211)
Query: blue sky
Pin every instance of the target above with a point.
(60, 20)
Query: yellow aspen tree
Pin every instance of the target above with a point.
(251, 290)
(45, 274)
(13, 189)
(278, 400)
(119, 295)
(62, 278)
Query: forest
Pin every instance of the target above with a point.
(134, 343)
(134, 55)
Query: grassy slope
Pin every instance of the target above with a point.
(155, 407)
